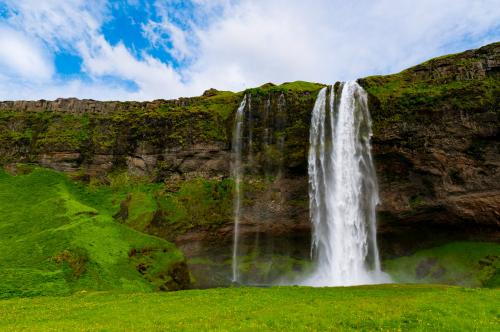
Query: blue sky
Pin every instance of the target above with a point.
(144, 50)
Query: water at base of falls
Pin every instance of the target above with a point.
(343, 190)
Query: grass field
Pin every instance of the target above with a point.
(385, 307)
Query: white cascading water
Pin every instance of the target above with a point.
(237, 173)
(343, 190)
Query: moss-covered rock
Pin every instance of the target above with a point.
(472, 264)
(59, 237)
(436, 144)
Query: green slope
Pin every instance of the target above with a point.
(368, 308)
(58, 237)
(472, 264)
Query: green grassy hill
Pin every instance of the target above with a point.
(59, 237)
(367, 308)
(471, 264)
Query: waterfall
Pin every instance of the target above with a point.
(237, 173)
(258, 145)
(343, 190)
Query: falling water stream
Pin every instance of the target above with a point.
(237, 173)
(343, 190)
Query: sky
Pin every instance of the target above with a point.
(145, 50)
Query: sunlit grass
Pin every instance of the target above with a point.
(385, 307)
(58, 237)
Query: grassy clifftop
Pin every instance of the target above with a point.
(31, 129)
(464, 82)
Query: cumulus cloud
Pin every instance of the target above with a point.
(75, 25)
(279, 41)
(22, 57)
(59, 24)
(154, 78)
(231, 44)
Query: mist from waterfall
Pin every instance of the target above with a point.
(343, 190)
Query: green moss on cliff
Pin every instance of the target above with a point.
(277, 119)
(197, 202)
(24, 135)
(396, 98)
(473, 264)
(172, 209)
(289, 87)
(63, 131)
(59, 237)
(455, 83)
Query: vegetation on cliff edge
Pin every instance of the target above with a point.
(454, 82)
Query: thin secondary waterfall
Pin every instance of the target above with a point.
(343, 190)
(258, 146)
(237, 173)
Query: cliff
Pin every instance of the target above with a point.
(435, 143)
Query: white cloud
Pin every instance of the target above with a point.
(236, 44)
(168, 36)
(23, 57)
(58, 23)
(260, 41)
(76, 25)
(154, 78)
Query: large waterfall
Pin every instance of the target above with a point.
(343, 190)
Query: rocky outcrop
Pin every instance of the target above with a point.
(436, 146)
(90, 138)
(89, 106)
(469, 65)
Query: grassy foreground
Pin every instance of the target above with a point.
(385, 307)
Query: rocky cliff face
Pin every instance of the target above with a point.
(436, 146)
